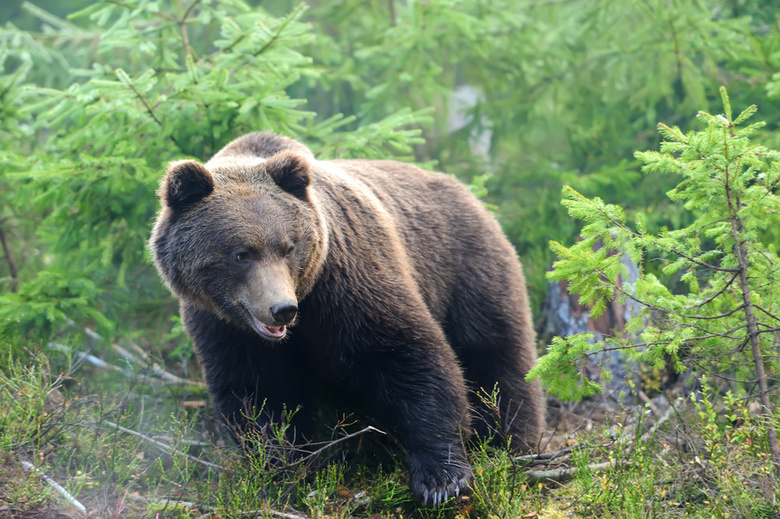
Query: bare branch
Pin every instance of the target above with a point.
(565, 474)
(163, 501)
(160, 445)
(334, 442)
(263, 512)
(544, 456)
(56, 486)
(767, 312)
(719, 292)
(156, 369)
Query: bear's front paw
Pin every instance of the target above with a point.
(435, 485)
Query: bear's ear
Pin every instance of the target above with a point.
(290, 171)
(186, 182)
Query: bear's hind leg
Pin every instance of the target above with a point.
(497, 348)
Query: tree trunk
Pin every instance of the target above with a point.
(11, 262)
(740, 249)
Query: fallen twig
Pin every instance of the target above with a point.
(658, 423)
(258, 513)
(102, 364)
(564, 474)
(95, 361)
(155, 368)
(544, 456)
(56, 486)
(189, 443)
(334, 442)
(162, 446)
(274, 513)
(646, 399)
(164, 501)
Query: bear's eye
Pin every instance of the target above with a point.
(289, 251)
(242, 256)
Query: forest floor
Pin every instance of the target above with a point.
(128, 438)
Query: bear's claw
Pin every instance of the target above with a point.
(436, 488)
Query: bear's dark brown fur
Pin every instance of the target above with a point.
(398, 288)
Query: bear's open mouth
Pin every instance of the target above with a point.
(272, 332)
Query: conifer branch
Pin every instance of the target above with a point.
(719, 292)
(633, 346)
(127, 81)
(288, 19)
(767, 312)
(685, 316)
(703, 264)
(182, 22)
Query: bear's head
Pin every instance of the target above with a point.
(242, 237)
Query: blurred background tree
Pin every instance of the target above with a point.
(516, 97)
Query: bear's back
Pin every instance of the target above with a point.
(449, 238)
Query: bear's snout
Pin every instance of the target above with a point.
(284, 312)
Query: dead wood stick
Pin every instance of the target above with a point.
(189, 443)
(334, 442)
(544, 456)
(93, 339)
(274, 513)
(156, 369)
(646, 399)
(56, 486)
(95, 361)
(102, 364)
(264, 512)
(164, 501)
(162, 446)
(658, 423)
(564, 474)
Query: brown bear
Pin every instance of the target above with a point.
(388, 284)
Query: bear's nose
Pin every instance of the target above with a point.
(284, 312)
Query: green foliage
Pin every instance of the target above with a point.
(563, 363)
(87, 129)
(94, 105)
(159, 83)
(729, 186)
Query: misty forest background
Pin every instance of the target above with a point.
(516, 98)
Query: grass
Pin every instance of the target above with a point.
(134, 446)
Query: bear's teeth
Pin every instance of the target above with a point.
(270, 331)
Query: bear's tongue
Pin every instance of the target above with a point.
(271, 331)
(276, 331)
